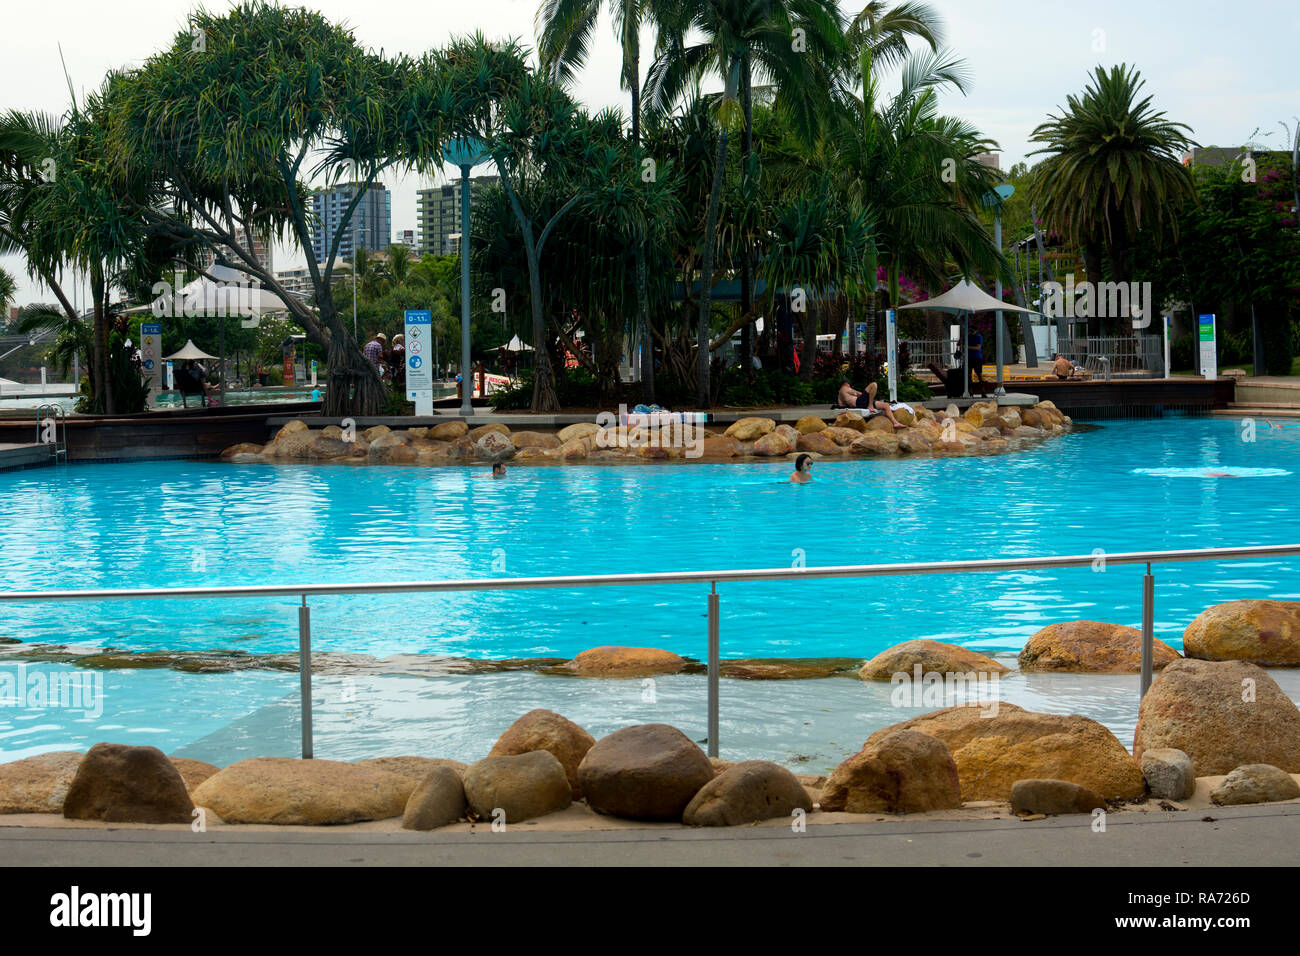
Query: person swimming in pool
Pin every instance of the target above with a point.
(499, 470)
(850, 397)
(801, 474)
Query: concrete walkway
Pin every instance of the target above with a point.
(1224, 836)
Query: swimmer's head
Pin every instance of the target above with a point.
(803, 463)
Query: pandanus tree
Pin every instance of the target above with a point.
(240, 114)
(792, 43)
(539, 140)
(1112, 163)
(564, 30)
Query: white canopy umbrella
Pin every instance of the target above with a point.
(962, 299)
(517, 345)
(190, 352)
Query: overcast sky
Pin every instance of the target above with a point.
(1225, 69)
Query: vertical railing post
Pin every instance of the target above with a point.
(713, 670)
(1148, 627)
(304, 671)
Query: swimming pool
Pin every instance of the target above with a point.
(1120, 487)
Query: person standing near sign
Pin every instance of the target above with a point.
(397, 361)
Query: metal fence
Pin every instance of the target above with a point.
(1130, 356)
(923, 352)
(711, 578)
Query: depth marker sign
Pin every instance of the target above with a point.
(419, 364)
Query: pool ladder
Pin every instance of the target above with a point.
(47, 429)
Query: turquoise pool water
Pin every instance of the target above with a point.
(1124, 486)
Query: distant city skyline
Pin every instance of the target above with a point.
(1225, 70)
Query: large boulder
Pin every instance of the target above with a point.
(904, 771)
(528, 439)
(523, 786)
(993, 751)
(719, 446)
(38, 784)
(447, 431)
(575, 449)
(914, 442)
(981, 413)
(488, 429)
(1169, 773)
(1260, 631)
(118, 783)
(244, 451)
(1091, 646)
(285, 790)
(809, 424)
(438, 800)
(747, 792)
(842, 436)
(577, 431)
(1222, 714)
(644, 772)
(624, 662)
(820, 442)
(773, 445)
(546, 730)
(750, 429)
(414, 768)
(851, 419)
(933, 657)
(1255, 783)
(494, 446)
(1053, 797)
(193, 772)
(876, 442)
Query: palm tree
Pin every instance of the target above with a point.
(915, 171)
(8, 290)
(564, 29)
(731, 38)
(399, 263)
(1110, 161)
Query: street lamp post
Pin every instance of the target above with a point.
(465, 152)
(996, 198)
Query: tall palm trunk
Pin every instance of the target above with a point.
(710, 247)
(104, 396)
(642, 295)
(746, 260)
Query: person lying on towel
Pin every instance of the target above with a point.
(850, 397)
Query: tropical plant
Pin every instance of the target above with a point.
(792, 42)
(1113, 164)
(238, 165)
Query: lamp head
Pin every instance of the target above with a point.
(464, 151)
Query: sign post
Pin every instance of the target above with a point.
(151, 354)
(1168, 321)
(313, 373)
(1209, 356)
(419, 373)
(891, 339)
(288, 365)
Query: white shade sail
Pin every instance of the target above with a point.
(966, 296)
(189, 352)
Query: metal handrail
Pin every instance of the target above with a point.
(666, 577)
(712, 578)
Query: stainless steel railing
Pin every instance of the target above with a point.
(712, 578)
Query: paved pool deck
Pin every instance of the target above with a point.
(1223, 836)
